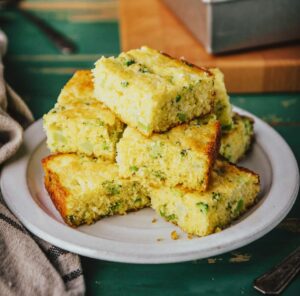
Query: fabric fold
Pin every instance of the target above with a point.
(28, 265)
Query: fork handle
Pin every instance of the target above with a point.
(275, 281)
(64, 44)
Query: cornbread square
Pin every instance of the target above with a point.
(236, 143)
(86, 189)
(80, 88)
(222, 106)
(151, 91)
(184, 155)
(79, 123)
(231, 191)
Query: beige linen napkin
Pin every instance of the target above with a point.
(28, 265)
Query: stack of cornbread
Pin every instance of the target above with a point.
(144, 129)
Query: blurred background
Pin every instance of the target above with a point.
(35, 67)
(254, 42)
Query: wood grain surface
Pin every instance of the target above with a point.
(150, 22)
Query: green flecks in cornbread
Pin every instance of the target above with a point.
(222, 106)
(182, 156)
(86, 189)
(79, 123)
(151, 91)
(231, 191)
(236, 142)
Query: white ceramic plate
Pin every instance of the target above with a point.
(134, 238)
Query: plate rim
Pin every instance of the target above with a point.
(74, 241)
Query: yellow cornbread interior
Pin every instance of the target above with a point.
(222, 106)
(236, 142)
(85, 189)
(179, 118)
(151, 91)
(231, 191)
(79, 123)
(183, 155)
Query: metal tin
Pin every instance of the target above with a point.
(228, 25)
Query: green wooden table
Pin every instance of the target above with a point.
(37, 71)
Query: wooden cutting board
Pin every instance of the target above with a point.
(150, 22)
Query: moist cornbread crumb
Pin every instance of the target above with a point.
(222, 106)
(236, 142)
(231, 191)
(85, 189)
(80, 123)
(184, 155)
(151, 91)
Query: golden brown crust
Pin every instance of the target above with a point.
(183, 61)
(81, 85)
(213, 151)
(82, 80)
(247, 171)
(243, 169)
(56, 191)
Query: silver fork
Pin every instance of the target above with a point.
(276, 280)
